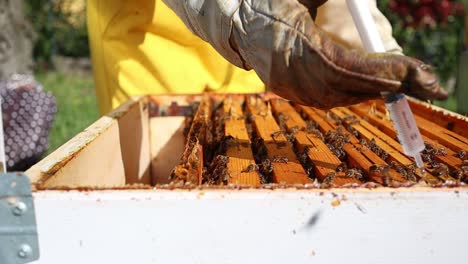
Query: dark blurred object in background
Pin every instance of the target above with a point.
(430, 30)
(28, 112)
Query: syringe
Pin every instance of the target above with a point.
(397, 104)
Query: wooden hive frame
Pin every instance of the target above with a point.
(367, 154)
(265, 140)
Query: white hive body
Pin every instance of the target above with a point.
(106, 196)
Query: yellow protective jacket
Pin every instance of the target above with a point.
(142, 47)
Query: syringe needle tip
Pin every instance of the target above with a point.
(419, 161)
(420, 164)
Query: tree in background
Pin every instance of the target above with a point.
(430, 30)
(16, 40)
(61, 28)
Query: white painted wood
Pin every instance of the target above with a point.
(253, 226)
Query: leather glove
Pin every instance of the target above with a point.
(295, 59)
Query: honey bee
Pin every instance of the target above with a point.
(382, 172)
(329, 178)
(332, 116)
(461, 154)
(275, 134)
(294, 130)
(316, 132)
(441, 170)
(282, 118)
(290, 137)
(251, 168)
(310, 125)
(266, 168)
(428, 145)
(433, 164)
(460, 174)
(465, 163)
(280, 159)
(342, 167)
(387, 180)
(304, 155)
(441, 152)
(355, 173)
(353, 131)
(376, 149)
(351, 120)
(426, 157)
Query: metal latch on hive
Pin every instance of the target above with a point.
(18, 229)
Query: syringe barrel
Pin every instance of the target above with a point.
(403, 120)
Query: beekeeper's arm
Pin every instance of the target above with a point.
(279, 40)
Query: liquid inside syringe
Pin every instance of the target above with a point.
(405, 124)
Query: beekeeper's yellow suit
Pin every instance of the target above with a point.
(142, 47)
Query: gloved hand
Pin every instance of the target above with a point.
(295, 59)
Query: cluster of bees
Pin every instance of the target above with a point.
(215, 169)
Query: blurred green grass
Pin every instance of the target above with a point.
(76, 104)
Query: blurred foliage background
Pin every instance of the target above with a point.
(431, 30)
(62, 33)
(61, 28)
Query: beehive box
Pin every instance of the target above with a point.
(249, 179)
